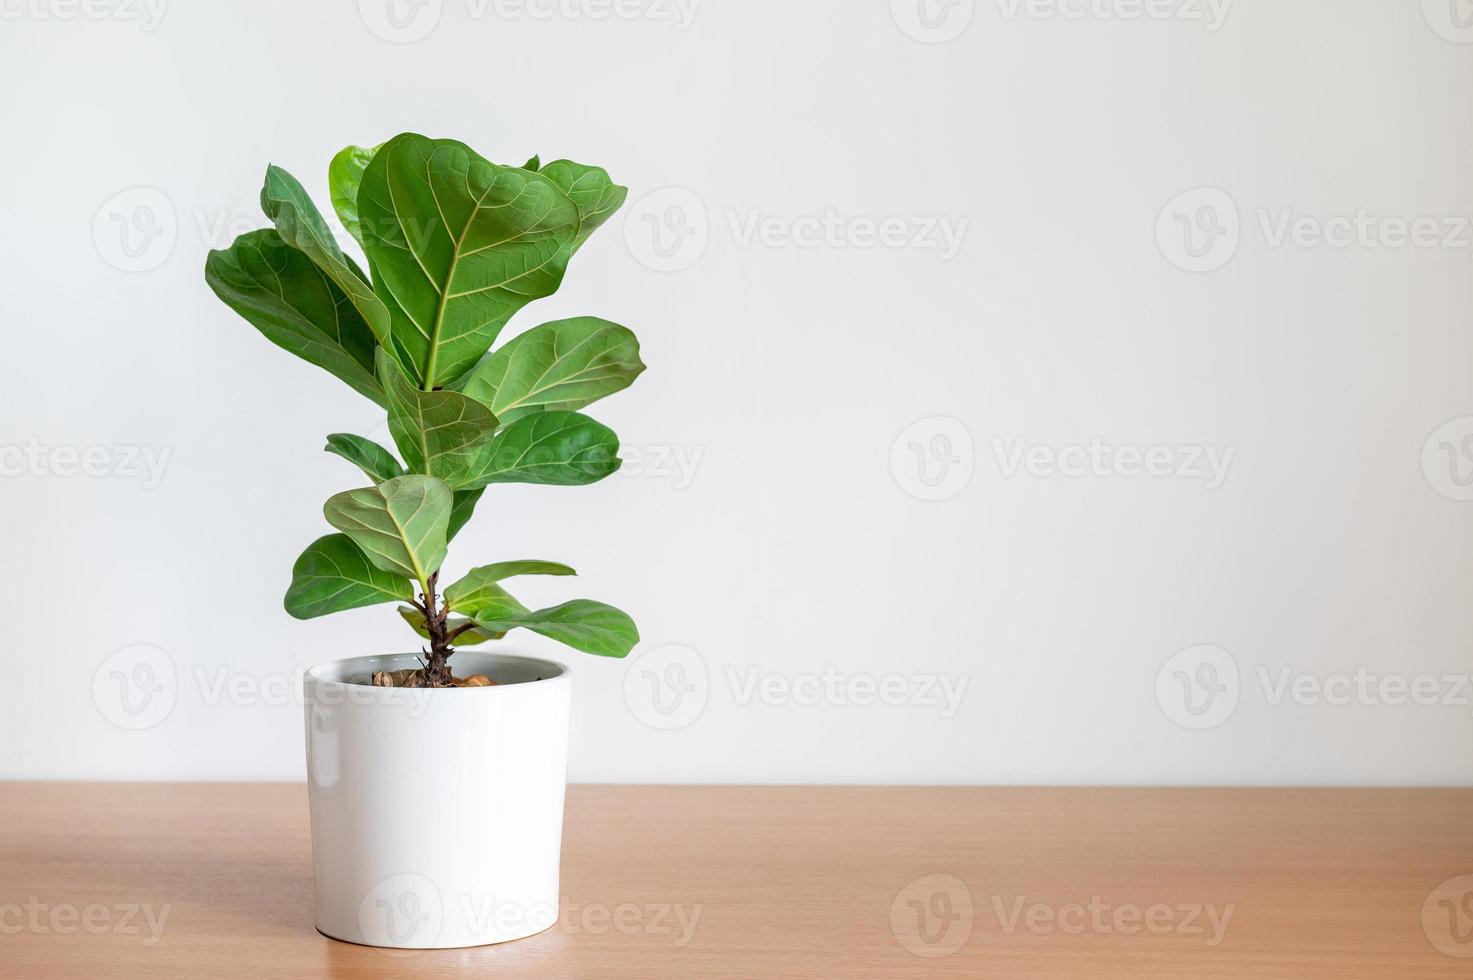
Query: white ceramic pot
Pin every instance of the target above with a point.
(437, 814)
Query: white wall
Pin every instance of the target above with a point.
(797, 384)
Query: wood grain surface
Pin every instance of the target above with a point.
(214, 880)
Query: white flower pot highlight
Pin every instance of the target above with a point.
(437, 813)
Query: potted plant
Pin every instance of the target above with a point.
(436, 778)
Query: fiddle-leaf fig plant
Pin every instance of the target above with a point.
(454, 246)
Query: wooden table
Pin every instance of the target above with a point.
(199, 881)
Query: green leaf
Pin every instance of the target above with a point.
(590, 189)
(400, 524)
(565, 364)
(458, 244)
(376, 462)
(344, 174)
(296, 306)
(467, 594)
(440, 433)
(582, 624)
(334, 574)
(532, 164)
(300, 225)
(490, 602)
(416, 619)
(462, 509)
(558, 448)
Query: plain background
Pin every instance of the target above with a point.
(790, 570)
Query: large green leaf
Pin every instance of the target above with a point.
(334, 574)
(440, 433)
(559, 448)
(376, 462)
(582, 624)
(462, 509)
(300, 225)
(475, 634)
(471, 593)
(590, 189)
(296, 306)
(400, 524)
(344, 174)
(565, 364)
(458, 244)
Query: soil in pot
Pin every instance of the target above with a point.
(417, 677)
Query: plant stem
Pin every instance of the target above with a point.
(438, 671)
(464, 628)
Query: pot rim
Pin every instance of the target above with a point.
(318, 678)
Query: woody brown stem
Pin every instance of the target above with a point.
(437, 671)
